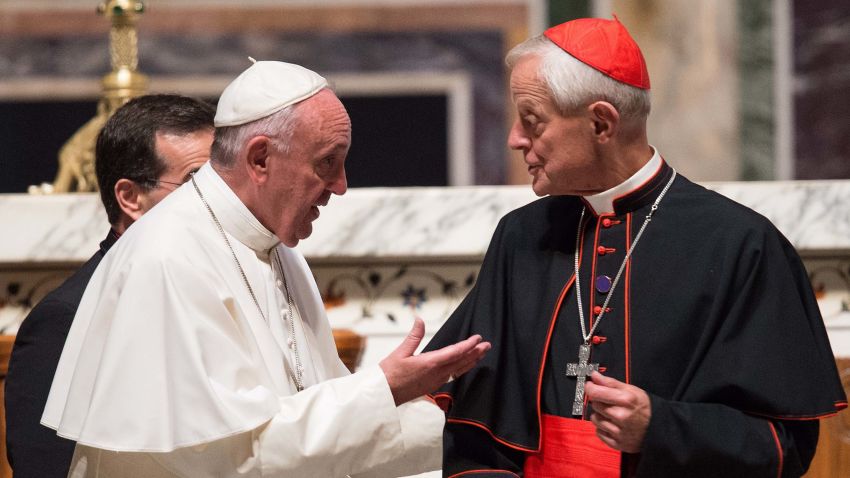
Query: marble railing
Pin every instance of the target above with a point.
(383, 256)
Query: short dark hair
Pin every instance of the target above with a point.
(126, 146)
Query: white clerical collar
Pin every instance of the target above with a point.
(603, 203)
(234, 216)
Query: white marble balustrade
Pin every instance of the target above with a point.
(384, 255)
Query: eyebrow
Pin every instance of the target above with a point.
(335, 146)
(527, 104)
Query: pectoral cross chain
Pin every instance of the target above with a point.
(581, 371)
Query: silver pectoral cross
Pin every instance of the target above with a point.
(581, 371)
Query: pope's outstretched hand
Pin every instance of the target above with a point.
(410, 376)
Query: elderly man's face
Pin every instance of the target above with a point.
(558, 149)
(303, 180)
(182, 154)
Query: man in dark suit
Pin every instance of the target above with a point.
(148, 148)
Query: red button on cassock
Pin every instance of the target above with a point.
(601, 250)
(606, 222)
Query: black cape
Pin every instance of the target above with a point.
(714, 317)
(33, 449)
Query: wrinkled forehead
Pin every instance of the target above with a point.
(333, 115)
(324, 121)
(526, 84)
(177, 150)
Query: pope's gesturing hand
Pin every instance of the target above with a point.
(410, 376)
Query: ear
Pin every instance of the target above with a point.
(257, 154)
(128, 194)
(606, 120)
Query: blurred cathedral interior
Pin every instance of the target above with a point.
(750, 98)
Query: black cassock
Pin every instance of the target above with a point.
(33, 450)
(714, 317)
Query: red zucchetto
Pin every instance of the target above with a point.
(604, 45)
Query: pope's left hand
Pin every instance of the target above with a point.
(621, 412)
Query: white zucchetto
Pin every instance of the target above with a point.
(265, 88)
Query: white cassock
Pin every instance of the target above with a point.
(170, 370)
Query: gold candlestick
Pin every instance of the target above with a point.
(124, 82)
(76, 157)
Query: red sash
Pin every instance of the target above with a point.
(571, 449)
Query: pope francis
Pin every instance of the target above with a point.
(201, 347)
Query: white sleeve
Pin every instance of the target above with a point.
(422, 424)
(351, 425)
(345, 426)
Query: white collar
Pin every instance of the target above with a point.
(603, 203)
(233, 215)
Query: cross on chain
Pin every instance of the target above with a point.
(581, 371)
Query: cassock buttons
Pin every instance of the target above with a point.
(603, 284)
(602, 250)
(606, 222)
(597, 309)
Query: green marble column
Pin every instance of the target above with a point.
(756, 90)
(561, 11)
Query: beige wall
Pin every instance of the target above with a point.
(690, 49)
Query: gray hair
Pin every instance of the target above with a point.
(279, 126)
(574, 84)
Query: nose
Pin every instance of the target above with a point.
(339, 185)
(517, 139)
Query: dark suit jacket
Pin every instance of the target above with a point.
(33, 449)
